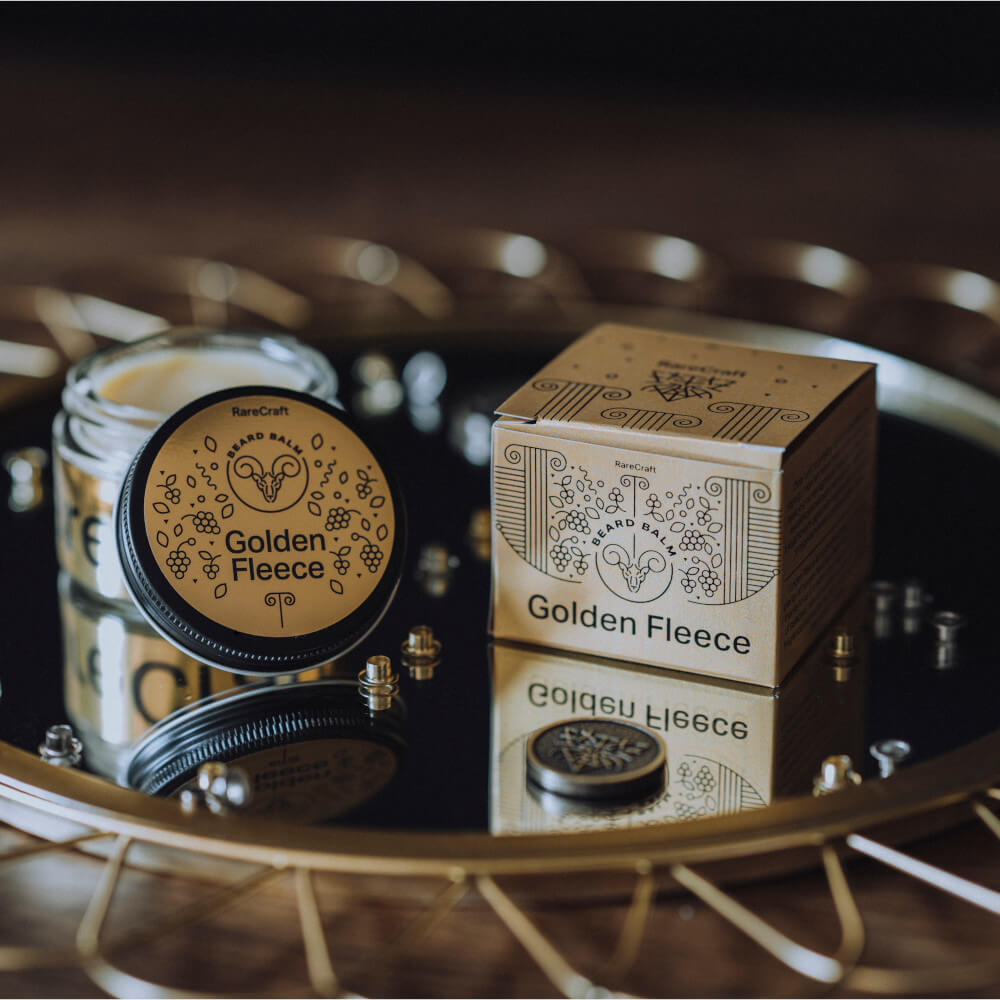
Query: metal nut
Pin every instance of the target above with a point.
(884, 594)
(377, 683)
(61, 747)
(915, 597)
(835, 773)
(421, 652)
(843, 644)
(889, 753)
(947, 625)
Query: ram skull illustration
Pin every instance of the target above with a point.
(282, 468)
(634, 573)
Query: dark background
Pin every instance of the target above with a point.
(934, 57)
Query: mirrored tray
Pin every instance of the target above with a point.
(442, 790)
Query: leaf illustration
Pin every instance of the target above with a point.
(317, 494)
(366, 525)
(553, 534)
(591, 513)
(599, 502)
(192, 482)
(317, 441)
(343, 477)
(376, 502)
(314, 508)
(677, 527)
(170, 480)
(210, 443)
(336, 586)
(178, 530)
(717, 560)
(382, 532)
(162, 538)
(555, 501)
(575, 550)
(715, 527)
(220, 590)
(221, 497)
(160, 507)
(227, 511)
(202, 554)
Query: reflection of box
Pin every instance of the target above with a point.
(682, 502)
(730, 746)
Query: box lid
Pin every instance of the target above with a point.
(669, 392)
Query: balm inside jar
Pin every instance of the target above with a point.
(115, 398)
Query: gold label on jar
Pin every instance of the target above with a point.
(268, 515)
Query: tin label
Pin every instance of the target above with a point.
(268, 515)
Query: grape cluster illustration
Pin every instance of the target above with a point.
(653, 504)
(560, 556)
(688, 583)
(205, 523)
(704, 780)
(692, 541)
(710, 581)
(178, 562)
(340, 561)
(210, 569)
(704, 516)
(577, 521)
(371, 556)
(172, 494)
(580, 565)
(337, 519)
(364, 485)
(616, 497)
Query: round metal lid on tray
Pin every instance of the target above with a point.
(259, 532)
(596, 758)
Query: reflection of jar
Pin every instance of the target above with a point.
(120, 677)
(312, 751)
(115, 398)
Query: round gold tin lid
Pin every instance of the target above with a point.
(259, 532)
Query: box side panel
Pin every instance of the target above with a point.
(648, 558)
(828, 506)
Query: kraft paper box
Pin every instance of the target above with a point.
(730, 746)
(682, 502)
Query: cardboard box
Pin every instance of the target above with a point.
(730, 747)
(682, 502)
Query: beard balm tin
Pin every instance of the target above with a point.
(682, 502)
(114, 399)
(258, 532)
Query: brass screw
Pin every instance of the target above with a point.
(947, 625)
(884, 593)
(843, 644)
(378, 683)
(479, 533)
(835, 773)
(421, 652)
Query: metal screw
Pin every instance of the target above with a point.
(378, 683)
(889, 753)
(843, 644)
(435, 567)
(479, 533)
(421, 652)
(914, 595)
(219, 787)
(25, 467)
(947, 625)
(61, 747)
(835, 773)
(884, 594)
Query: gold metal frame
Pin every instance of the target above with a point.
(75, 811)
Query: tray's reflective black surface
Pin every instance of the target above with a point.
(934, 513)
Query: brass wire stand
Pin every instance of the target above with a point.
(83, 814)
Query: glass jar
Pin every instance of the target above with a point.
(115, 398)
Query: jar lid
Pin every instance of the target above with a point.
(312, 752)
(259, 532)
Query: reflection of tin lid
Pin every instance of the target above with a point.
(258, 532)
(309, 749)
(596, 758)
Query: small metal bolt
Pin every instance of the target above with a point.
(947, 625)
(421, 652)
(61, 747)
(842, 670)
(884, 594)
(889, 753)
(835, 773)
(915, 598)
(480, 532)
(377, 683)
(843, 644)
(435, 568)
(26, 467)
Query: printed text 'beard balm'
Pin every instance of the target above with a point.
(682, 502)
